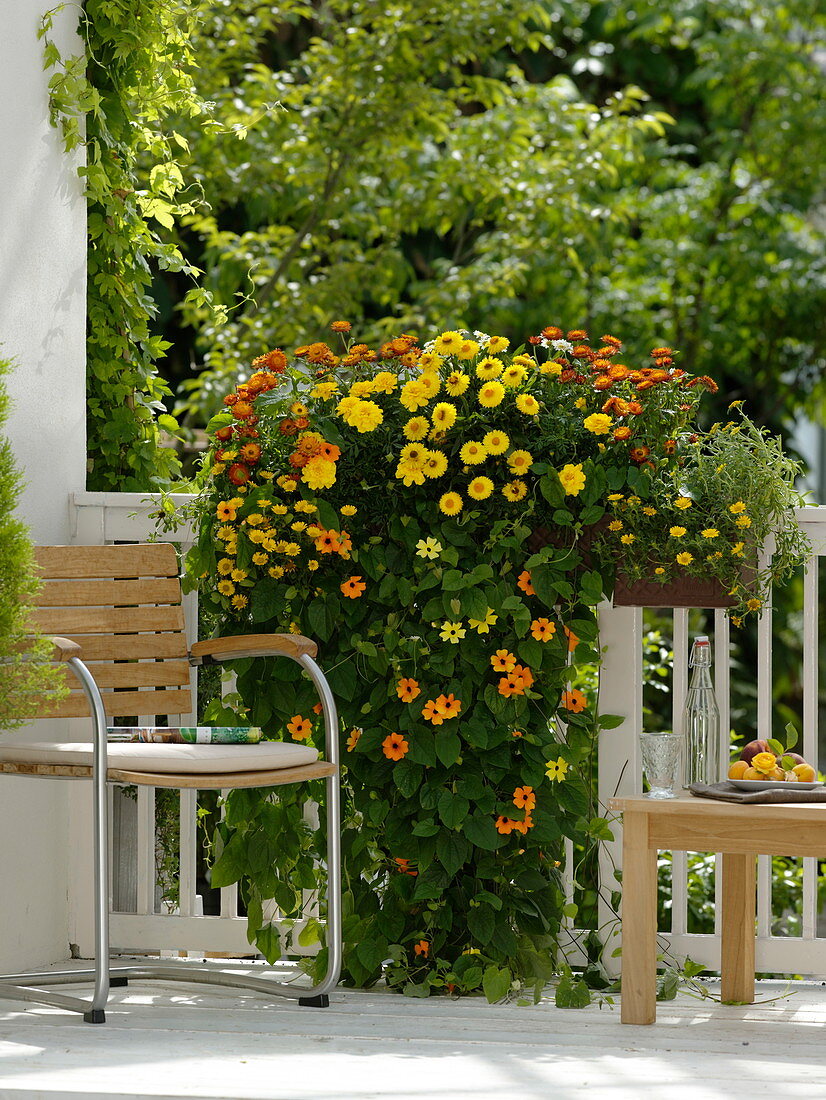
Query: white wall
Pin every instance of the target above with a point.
(42, 327)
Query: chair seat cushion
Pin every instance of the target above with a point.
(138, 756)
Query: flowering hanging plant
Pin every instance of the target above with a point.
(426, 512)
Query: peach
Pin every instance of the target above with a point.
(805, 773)
(752, 749)
(738, 769)
(752, 773)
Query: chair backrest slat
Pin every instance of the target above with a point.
(122, 605)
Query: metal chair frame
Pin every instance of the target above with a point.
(34, 986)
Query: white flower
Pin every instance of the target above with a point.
(562, 345)
(481, 338)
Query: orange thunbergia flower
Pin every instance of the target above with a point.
(440, 710)
(404, 866)
(299, 727)
(524, 798)
(328, 543)
(573, 640)
(353, 587)
(449, 706)
(354, 738)
(503, 661)
(407, 690)
(422, 948)
(394, 746)
(543, 629)
(504, 825)
(573, 700)
(524, 582)
(318, 708)
(517, 733)
(516, 682)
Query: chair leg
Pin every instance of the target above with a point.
(100, 995)
(321, 1001)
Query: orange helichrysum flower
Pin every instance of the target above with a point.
(524, 582)
(543, 629)
(353, 587)
(573, 700)
(407, 689)
(503, 661)
(422, 948)
(299, 727)
(394, 746)
(524, 798)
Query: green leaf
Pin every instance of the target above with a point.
(232, 862)
(268, 942)
(453, 808)
(327, 515)
(481, 831)
(496, 983)
(452, 850)
(414, 990)
(791, 736)
(571, 994)
(310, 933)
(448, 747)
(668, 983)
(481, 921)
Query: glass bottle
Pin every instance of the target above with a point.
(701, 719)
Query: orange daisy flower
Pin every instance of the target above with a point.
(394, 746)
(353, 587)
(407, 690)
(573, 700)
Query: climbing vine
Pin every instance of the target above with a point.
(118, 99)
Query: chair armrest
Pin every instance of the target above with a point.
(217, 650)
(65, 649)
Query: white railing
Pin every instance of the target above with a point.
(620, 771)
(113, 517)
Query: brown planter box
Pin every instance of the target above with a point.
(684, 592)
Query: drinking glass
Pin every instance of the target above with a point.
(661, 757)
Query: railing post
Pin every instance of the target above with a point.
(619, 769)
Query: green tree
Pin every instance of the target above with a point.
(400, 169)
(22, 659)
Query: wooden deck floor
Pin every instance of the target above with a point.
(178, 1041)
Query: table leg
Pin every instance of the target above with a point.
(639, 922)
(737, 951)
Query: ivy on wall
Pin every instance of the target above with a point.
(116, 100)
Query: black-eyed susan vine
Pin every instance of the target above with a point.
(427, 514)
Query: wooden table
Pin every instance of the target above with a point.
(688, 824)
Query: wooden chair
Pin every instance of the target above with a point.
(118, 623)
